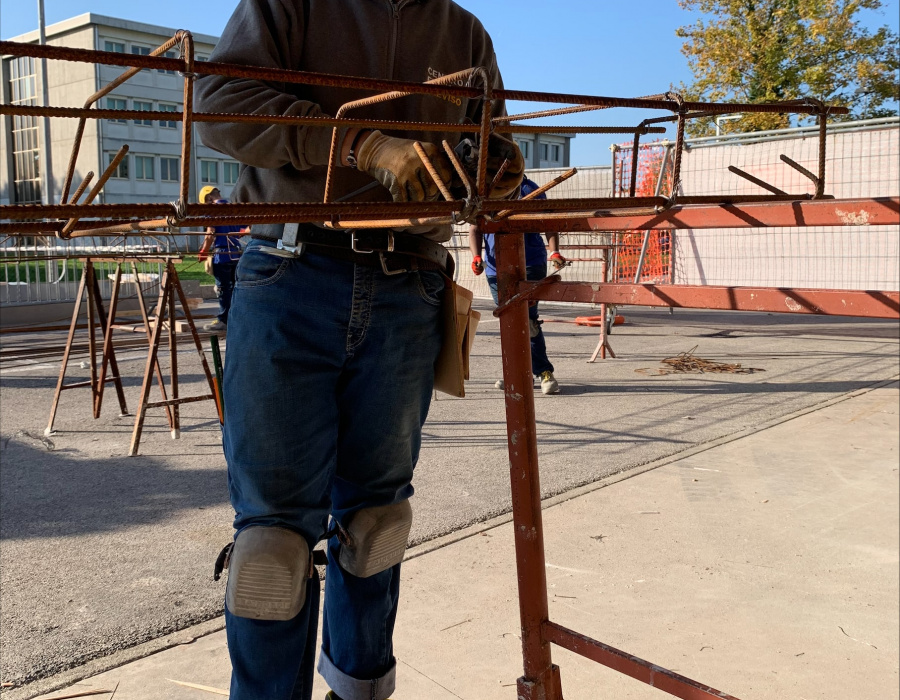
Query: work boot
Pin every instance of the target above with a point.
(549, 385)
(216, 326)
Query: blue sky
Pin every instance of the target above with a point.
(622, 49)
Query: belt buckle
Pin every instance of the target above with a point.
(293, 247)
(285, 251)
(354, 245)
(384, 267)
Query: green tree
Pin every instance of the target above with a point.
(771, 50)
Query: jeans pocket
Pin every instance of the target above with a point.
(431, 286)
(258, 269)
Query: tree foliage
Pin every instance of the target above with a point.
(771, 50)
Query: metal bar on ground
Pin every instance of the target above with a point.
(644, 671)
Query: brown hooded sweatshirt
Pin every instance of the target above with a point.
(409, 40)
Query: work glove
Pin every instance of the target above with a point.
(396, 165)
(477, 265)
(500, 149)
(558, 261)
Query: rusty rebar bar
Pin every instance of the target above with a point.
(111, 168)
(324, 79)
(800, 169)
(504, 166)
(429, 166)
(755, 180)
(290, 120)
(83, 186)
(512, 206)
(187, 136)
(460, 170)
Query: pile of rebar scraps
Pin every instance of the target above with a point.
(688, 363)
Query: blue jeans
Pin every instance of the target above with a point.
(540, 363)
(329, 373)
(224, 273)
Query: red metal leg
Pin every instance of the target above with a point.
(541, 679)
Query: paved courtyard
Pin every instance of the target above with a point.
(101, 552)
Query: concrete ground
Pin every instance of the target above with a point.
(764, 566)
(103, 556)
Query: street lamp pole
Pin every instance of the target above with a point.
(46, 143)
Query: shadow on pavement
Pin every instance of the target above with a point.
(48, 493)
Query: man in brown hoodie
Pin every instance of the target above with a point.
(332, 335)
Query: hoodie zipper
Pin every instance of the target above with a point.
(395, 6)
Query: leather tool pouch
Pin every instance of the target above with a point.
(460, 322)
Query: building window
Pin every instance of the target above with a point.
(114, 46)
(143, 168)
(200, 57)
(143, 107)
(169, 54)
(120, 173)
(232, 170)
(25, 136)
(544, 152)
(140, 51)
(168, 124)
(169, 169)
(525, 147)
(209, 172)
(556, 158)
(117, 103)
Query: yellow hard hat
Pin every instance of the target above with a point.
(209, 189)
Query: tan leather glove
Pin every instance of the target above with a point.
(500, 149)
(396, 165)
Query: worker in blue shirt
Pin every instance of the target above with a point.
(535, 269)
(226, 251)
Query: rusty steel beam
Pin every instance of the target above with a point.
(825, 302)
(765, 212)
(629, 665)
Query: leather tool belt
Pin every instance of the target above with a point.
(395, 253)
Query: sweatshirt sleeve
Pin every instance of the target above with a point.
(265, 33)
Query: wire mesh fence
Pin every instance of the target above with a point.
(862, 160)
(42, 271)
(863, 163)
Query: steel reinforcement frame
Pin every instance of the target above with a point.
(541, 679)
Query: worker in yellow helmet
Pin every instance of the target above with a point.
(219, 254)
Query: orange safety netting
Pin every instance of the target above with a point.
(654, 178)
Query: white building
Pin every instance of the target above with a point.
(545, 150)
(151, 170)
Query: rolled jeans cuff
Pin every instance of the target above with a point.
(349, 688)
